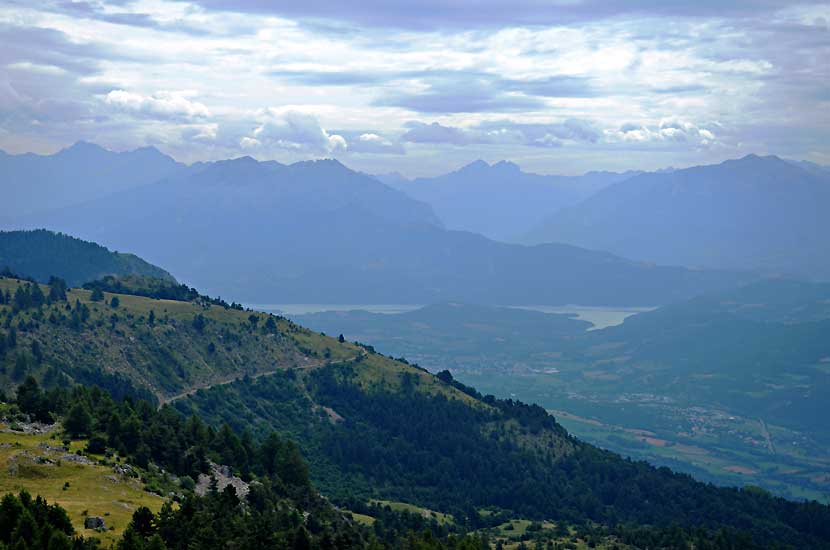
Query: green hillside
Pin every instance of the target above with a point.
(731, 387)
(41, 254)
(371, 428)
(160, 348)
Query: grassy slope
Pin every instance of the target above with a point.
(95, 489)
(172, 356)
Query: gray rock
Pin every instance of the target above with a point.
(94, 522)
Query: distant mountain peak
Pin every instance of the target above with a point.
(247, 159)
(476, 165)
(479, 166)
(755, 158)
(329, 167)
(82, 147)
(506, 166)
(149, 149)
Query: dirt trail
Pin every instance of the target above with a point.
(305, 365)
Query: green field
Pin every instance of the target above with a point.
(82, 489)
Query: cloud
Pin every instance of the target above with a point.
(371, 142)
(472, 91)
(163, 105)
(462, 93)
(587, 77)
(420, 132)
(505, 132)
(431, 14)
(666, 131)
(552, 86)
(295, 131)
(331, 78)
(47, 47)
(119, 13)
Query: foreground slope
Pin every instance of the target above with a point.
(153, 348)
(40, 464)
(750, 213)
(372, 427)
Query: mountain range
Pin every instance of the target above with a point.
(317, 232)
(500, 201)
(751, 213)
(82, 172)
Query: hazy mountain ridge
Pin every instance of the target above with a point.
(750, 213)
(82, 172)
(317, 232)
(500, 201)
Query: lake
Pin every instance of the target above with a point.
(598, 316)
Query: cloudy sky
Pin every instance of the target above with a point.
(558, 86)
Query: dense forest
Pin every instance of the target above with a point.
(445, 455)
(281, 508)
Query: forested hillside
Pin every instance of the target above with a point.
(372, 428)
(157, 348)
(746, 407)
(42, 254)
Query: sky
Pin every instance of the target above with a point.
(421, 87)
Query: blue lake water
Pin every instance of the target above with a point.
(599, 316)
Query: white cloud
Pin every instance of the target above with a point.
(249, 143)
(161, 105)
(296, 131)
(665, 131)
(37, 68)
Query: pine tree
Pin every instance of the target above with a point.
(22, 298)
(37, 297)
(78, 421)
(57, 289)
(97, 295)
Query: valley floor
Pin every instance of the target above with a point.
(712, 444)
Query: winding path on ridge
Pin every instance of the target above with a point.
(308, 365)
